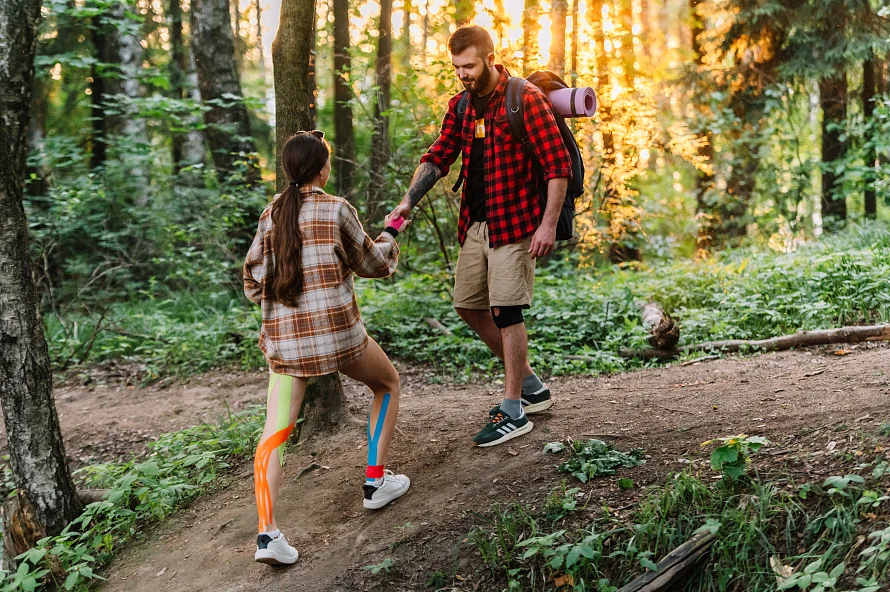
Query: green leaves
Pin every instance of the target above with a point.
(596, 458)
(734, 454)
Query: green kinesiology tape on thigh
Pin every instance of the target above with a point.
(378, 429)
(282, 413)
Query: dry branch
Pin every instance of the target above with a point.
(674, 565)
(439, 327)
(785, 342)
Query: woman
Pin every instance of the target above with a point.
(300, 270)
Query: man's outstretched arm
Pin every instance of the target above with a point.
(425, 178)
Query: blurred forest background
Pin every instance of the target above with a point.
(738, 168)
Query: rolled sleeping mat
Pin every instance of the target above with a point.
(573, 102)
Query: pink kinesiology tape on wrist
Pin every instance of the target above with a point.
(397, 222)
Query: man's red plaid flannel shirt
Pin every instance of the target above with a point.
(514, 206)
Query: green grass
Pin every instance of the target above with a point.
(180, 466)
(816, 527)
(749, 293)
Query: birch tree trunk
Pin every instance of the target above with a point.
(46, 500)
(188, 147)
(228, 127)
(18, 44)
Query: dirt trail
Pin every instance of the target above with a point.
(668, 412)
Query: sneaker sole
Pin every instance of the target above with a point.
(514, 434)
(272, 558)
(538, 407)
(379, 503)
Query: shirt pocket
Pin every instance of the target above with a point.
(501, 130)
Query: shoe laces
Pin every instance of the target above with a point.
(498, 418)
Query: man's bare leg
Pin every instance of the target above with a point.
(481, 322)
(516, 368)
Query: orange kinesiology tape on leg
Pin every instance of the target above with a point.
(264, 454)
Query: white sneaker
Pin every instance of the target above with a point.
(274, 551)
(393, 487)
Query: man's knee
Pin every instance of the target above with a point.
(507, 316)
(470, 315)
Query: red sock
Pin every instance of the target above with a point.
(374, 472)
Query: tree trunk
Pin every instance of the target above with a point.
(291, 53)
(868, 108)
(833, 98)
(344, 133)
(628, 55)
(703, 181)
(188, 147)
(37, 455)
(464, 11)
(576, 26)
(558, 11)
(324, 402)
(259, 34)
(380, 135)
(98, 141)
(18, 45)
(646, 24)
(236, 34)
(530, 27)
(228, 127)
(405, 36)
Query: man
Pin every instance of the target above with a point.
(503, 223)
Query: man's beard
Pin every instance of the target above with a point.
(481, 84)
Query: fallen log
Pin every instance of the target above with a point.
(674, 565)
(663, 331)
(782, 343)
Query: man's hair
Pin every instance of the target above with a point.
(469, 36)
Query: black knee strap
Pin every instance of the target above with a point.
(507, 316)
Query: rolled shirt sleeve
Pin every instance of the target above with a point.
(366, 257)
(445, 150)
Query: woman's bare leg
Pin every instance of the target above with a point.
(376, 371)
(282, 407)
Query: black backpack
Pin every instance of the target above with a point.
(547, 81)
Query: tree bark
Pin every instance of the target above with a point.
(833, 98)
(663, 331)
(530, 27)
(259, 34)
(380, 136)
(558, 11)
(344, 132)
(405, 35)
(674, 565)
(628, 55)
(187, 147)
(18, 46)
(868, 109)
(703, 181)
(856, 334)
(291, 52)
(228, 127)
(236, 35)
(576, 26)
(325, 403)
(37, 454)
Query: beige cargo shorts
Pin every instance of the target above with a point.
(499, 276)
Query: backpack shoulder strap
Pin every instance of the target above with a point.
(515, 110)
(461, 115)
(462, 107)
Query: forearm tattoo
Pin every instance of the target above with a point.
(425, 178)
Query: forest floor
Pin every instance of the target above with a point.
(793, 398)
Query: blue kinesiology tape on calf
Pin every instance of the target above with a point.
(378, 429)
